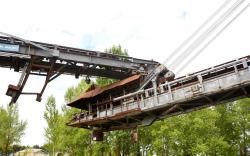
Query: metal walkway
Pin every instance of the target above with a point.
(219, 84)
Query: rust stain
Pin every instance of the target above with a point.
(98, 90)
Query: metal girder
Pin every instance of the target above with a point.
(79, 58)
(47, 80)
(51, 74)
(15, 91)
(69, 69)
(73, 54)
(121, 66)
(53, 60)
(182, 95)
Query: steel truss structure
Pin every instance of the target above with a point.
(219, 84)
(36, 58)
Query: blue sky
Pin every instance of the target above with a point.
(149, 29)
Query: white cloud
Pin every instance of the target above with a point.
(148, 29)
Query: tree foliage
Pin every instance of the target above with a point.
(52, 132)
(11, 128)
(60, 137)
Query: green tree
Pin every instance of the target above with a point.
(11, 128)
(52, 132)
(234, 125)
(117, 50)
(75, 140)
(189, 134)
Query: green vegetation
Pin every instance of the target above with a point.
(11, 129)
(52, 132)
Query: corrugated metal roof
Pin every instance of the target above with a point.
(99, 90)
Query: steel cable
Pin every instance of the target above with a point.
(205, 35)
(175, 52)
(154, 72)
(211, 40)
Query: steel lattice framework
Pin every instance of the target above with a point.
(36, 58)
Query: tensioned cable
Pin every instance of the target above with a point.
(153, 73)
(175, 52)
(205, 35)
(211, 40)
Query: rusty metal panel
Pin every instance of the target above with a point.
(99, 90)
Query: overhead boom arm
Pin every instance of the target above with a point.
(51, 60)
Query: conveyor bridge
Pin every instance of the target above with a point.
(49, 60)
(219, 84)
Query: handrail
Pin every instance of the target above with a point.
(228, 64)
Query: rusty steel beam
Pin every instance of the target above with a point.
(16, 52)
